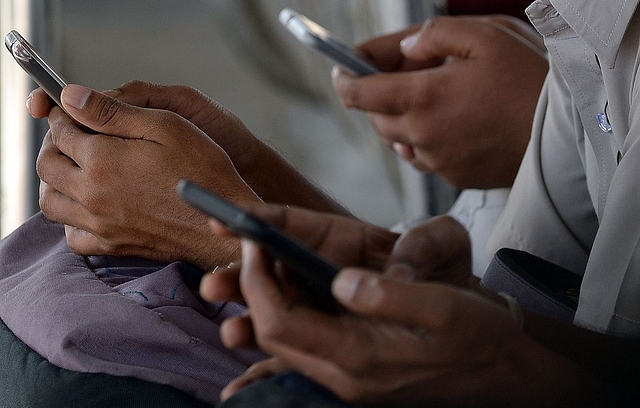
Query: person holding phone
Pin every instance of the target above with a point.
(419, 328)
(457, 99)
(459, 93)
(108, 229)
(574, 200)
(87, 181)
(556, 350)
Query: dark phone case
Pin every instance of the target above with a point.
(536, 284)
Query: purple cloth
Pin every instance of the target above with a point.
(120, 316)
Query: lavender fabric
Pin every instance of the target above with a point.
(120, 316)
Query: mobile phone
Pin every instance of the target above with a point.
(318, 38)
(37, 68)
(316, 272)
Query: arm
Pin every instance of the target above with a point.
(421, 341)
(458, 99)
(267, 172)
(115, 191)
(407, 343)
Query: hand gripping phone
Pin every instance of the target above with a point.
(316, 272)
(27, 57)
(321, 40)
(37, 68)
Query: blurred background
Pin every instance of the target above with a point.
(236, 52)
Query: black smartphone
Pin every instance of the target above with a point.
(317, 273)
(317, 37)
(37, 68)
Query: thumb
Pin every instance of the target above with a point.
(103, 113)
(442, 37)
(369, 294)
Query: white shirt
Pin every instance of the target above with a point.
(576, 199)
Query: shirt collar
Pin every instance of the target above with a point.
(600, 23)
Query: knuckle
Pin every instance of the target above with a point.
(271, 332)
(106, 110)
(42, 167)
(93, 201)
(424, 94)
(349, 93)
(167, 125)
(135, 85)
(434, 25)
(45, 201)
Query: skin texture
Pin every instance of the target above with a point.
(457, 98)
(150, 136)
(115, 190)
(401, 340)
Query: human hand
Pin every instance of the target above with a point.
(402, 343)
(342, 240)
(115, 190)
(438, 249)
(457, 98)
(222, 126)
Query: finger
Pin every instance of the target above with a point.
(257, 283)
(258, 371)
(375, 296)
(444, 36)
(310, 227)
(83, 242)
(71, 140)
(111, 116)
(50, 153)
(404, 151)
(238, 332)
(413, 256)
(56, 169)
(220, 229)
(183, 100)
(384, 51)
(294, 333)
(432, 250)
(430, 306)
(57, 206)
(390, 94)
(39, 104)
(187, 102)
(222, 285)
(390, 128)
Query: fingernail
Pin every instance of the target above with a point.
(335, 71)
(398, 148)
(409, 42)
(75, 95)
(403, 150)
(346, 284)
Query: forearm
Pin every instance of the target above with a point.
(277, 181)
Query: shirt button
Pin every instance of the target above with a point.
(603, 122)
